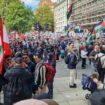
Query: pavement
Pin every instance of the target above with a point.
(65, 95)
(69, 96)
(62, 93)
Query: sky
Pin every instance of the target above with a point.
(32, 3)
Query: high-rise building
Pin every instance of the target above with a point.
(87, 12)
(60, 15)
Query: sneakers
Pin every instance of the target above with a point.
(73, 86)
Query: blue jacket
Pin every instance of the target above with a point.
(71, 61)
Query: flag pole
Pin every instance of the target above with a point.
(67, 19)
(67, 13)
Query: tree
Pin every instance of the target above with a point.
(44, 15)
(17, 16)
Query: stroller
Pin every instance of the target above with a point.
(88, 84)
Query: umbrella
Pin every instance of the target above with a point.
(98, 98)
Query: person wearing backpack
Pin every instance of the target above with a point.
(99, 62)
(51, 70)
(48, 73)
(92, 55)
(40, 71)
(71, 61)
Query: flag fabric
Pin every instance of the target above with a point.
(1, 50)
(96, 28)
(103, 24)
(100, 27)
(69, 11)
(5, 49)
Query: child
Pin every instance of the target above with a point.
(95, 77)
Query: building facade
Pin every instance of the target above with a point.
(87, 12)
(60, 17)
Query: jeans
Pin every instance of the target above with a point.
(93, 68)
(101, 75)
(83, 62)
(48, 95)
(50, 87)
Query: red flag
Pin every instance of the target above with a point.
(1, 48)
(69, 11)
(5, 49)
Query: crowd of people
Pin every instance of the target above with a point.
(30, 71)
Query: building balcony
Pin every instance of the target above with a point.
(82, 3)
(87, 18)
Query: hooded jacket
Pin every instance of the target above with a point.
(18, 87)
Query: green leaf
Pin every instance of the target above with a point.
(45, 15)
(17, 16)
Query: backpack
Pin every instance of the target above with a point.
(84, 81)
(98, 64)
(67, 59)
(50, 73)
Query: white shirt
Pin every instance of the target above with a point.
(83, 54)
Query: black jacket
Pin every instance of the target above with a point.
(17, 88)
(71, 61)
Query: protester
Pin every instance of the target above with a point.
(83, 57)
(95, 77)
(31, 68)
(18, 87)
(92, 57)
(71, 61)
(27, 69)
(7, 65)
(40, 72)
(100, 65)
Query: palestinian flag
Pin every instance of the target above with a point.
(5, 49)
(100, 27)
(69, 11)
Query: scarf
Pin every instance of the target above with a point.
(37, 69)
